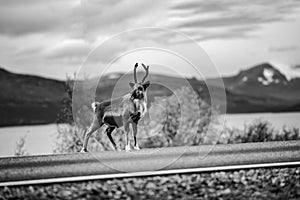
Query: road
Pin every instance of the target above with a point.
(146, 162)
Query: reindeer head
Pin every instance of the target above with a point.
(139, 88)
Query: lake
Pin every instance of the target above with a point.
(277, 120)
(40, 139)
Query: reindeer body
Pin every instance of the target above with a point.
(130, 109)
(134, 107)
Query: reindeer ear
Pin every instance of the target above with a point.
(146, 85)
(131, 84)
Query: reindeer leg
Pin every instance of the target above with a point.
(94, 126)
(136, 144)
(126, 129)
(109, 131)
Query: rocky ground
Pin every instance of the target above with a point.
(272, 183)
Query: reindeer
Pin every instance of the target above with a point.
(134, 106)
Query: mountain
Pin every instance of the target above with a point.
(264, 79)
(27, 99)
(263, 88)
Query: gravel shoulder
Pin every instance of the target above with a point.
(269, 183)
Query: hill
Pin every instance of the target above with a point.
(27, 99)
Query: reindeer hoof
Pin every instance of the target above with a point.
(136, 148)
(127, 148)
(118, 148)
(83, 151)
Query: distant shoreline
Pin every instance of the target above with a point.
(232, 114)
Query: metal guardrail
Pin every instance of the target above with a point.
(146, 162)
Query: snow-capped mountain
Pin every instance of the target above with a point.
(264, 74)
(268, 77)
(290, 72)
(266, 80)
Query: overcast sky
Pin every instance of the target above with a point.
(52, 38)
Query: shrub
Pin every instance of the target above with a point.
(20, 147)
(258, 131)
(185, 120)
(292, 133)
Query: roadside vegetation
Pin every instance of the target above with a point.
(20, 149)
(259, 131)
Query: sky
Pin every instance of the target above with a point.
(54, 38)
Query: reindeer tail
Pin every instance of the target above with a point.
(94, 105)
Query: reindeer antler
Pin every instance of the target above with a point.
(134, 72)
(147, 71)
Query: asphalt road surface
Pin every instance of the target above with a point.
(89, 166)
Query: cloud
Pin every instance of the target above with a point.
(47, 34)
(228, 16)
(76, 51)
(296, 67)
(26, 51)
(72, 50)
(34, 16)
(120, 16)
(283, 48)
(54, 33)
(227, 21)
(204, 6)
(87, 19)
